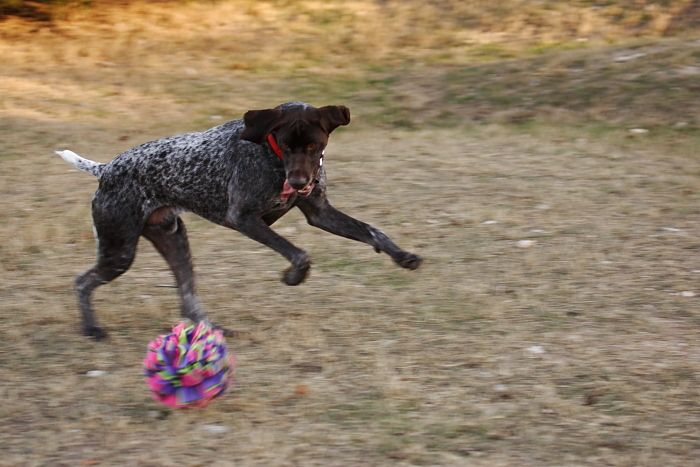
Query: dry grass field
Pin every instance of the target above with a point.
(555, 320)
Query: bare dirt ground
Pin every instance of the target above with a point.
(554, 322)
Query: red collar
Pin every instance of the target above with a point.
(287, 189)
(274, 146)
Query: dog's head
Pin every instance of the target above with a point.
(301, 132)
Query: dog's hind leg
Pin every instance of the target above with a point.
(170, 239)
(114, 257)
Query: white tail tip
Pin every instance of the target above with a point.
(69, 156)
(81, 163)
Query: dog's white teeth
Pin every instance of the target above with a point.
(307, 189)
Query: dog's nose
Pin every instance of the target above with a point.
(298, 182)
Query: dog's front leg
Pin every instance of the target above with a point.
(254, 227)
(320, 213)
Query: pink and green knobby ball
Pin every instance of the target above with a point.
(188, 367)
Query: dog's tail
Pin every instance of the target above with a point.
(86, 165)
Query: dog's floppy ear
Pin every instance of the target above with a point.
(258, 123)
(332, 116)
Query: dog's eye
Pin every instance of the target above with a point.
(311, 147)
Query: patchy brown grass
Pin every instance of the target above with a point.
(579, 347)
(406, 63)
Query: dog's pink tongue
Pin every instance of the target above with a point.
(287, 190)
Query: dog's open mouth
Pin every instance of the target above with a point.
(288, 190)
(306, 191)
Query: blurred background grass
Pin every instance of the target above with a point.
(407, 63)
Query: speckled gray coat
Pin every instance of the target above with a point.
(228, 174)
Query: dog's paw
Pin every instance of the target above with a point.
(295, 275)
(408, 260)
(95, 332)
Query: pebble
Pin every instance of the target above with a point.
(687, 294)
(215, 429)
(95, 373)
(627, 57)
(536, 349)
(525, 243)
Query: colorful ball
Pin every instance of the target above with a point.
(188, 367)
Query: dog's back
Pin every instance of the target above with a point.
(190, 171)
